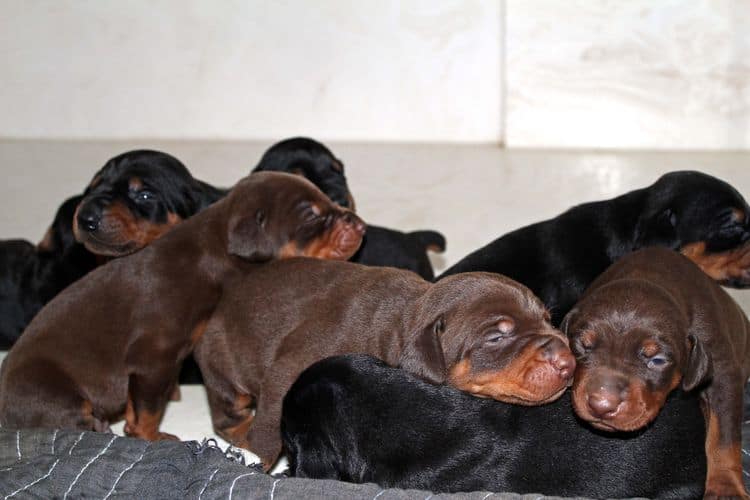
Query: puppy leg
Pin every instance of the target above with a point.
(722, 406)
(148, 395)
(231, 415)
(265, 434)
(231, 412)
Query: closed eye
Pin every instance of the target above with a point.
(657, 362)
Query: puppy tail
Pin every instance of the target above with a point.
(430, 240)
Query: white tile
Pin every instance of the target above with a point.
(645, 74)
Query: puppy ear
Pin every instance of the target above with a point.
(423, 354)
(659, 229)
(248, 238)
(566, 320)
(699, 367)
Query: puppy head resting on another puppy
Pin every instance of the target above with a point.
(704, 218)
(490, 336)
(277, 215)
(314, 161)
(631, 343)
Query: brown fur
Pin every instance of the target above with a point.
(656, 306)
(112, 343)
(289, 314)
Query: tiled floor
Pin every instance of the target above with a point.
(471, 193)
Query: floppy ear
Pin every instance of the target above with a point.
(566, 320)
(699, 368)
(659, 229)
(248, 238)
(423, 354)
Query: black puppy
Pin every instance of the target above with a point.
(701, 216)
(353, 418)
(381, 246)
(30, 276)
(133, 199)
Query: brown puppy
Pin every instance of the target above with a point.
(652, 322)
(111, 344)
(480, 332)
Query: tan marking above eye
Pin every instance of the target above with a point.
(316, 209)
(135, 184)
(650, 348)
(587, 339)
(506, 325)
(738, 215)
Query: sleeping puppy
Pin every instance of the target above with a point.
(381, 246)
(479, 332)
(135, 198)
(701, 216)
(353, 418)
(30, 276)
(649, 324)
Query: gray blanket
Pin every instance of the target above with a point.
(72, 464)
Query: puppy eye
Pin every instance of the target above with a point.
(657, 362)
(144, 195)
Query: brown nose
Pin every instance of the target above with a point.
(558, 355)
(354, 221)
(606, 397)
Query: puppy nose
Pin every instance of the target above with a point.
(354, 221)
(89, 218)
(559, 356)
(604, 404)
(606, 397)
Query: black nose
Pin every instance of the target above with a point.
(89, 217)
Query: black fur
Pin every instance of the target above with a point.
(381, 246)
(31, 276)
(355, 419)
(559, 257)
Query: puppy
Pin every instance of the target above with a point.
(111, 344)
(381, 246)
(30, 276)
(132, 200)
(353, 418)
(479, 332)
(135, 198)
(651, 323)
(699, 215)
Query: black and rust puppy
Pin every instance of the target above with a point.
(381, 246)
(649, 324)
(30, 276)
(135, 198)
(699, 215)
(479, 332)
(355, 419)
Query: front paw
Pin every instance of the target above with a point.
(165, 436)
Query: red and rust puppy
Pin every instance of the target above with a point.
(382, 246)
(111, 344)
(649, 324)
(479, 332)
(135, 198)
